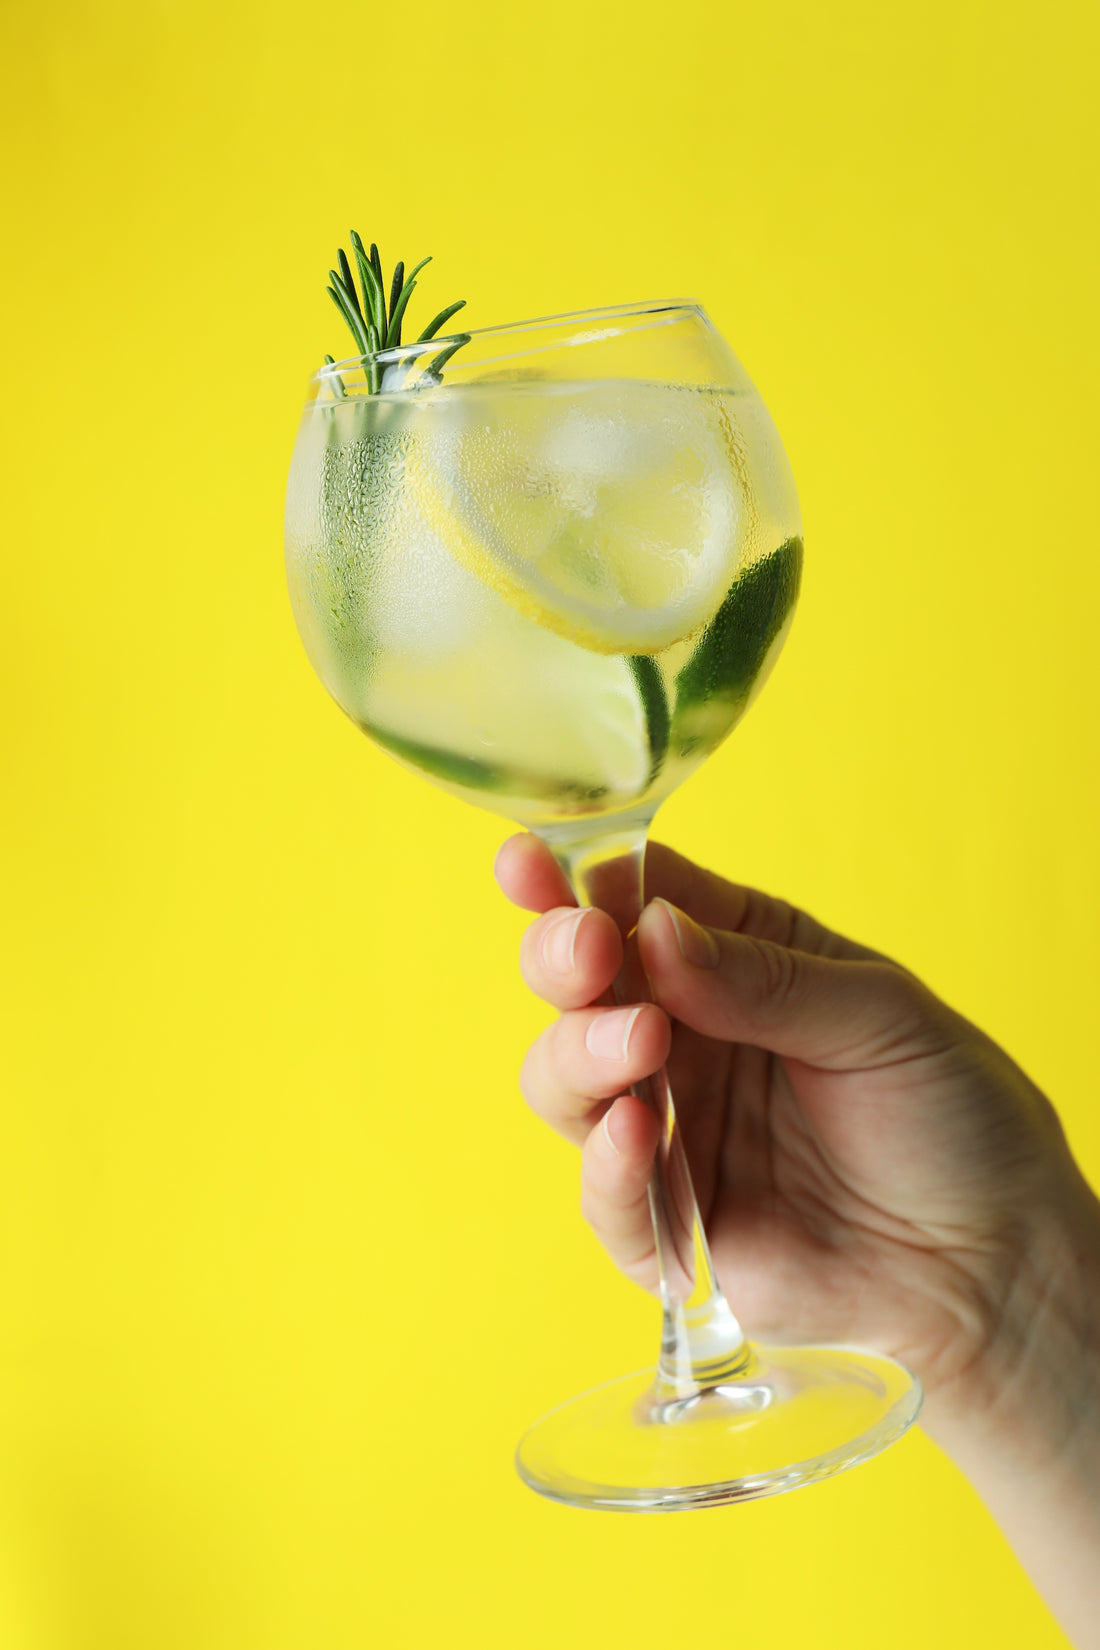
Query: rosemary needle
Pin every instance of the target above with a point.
(375, 324)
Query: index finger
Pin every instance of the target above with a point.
(530, 876)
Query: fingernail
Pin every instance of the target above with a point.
(608, 1035)
(606, 1127)
(559, 941)
(698, 946)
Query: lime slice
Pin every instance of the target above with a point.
(613, 513)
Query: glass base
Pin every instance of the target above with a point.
(798, 1414)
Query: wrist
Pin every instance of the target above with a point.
(1028, 1406)
(1023, 1422)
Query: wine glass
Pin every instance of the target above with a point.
(552, 578)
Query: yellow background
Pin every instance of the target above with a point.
(270, 1206)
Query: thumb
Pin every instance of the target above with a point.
(831, 1013)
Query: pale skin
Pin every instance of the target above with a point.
(871, 1169)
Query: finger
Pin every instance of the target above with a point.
(529, 874)
(569, 957)
(615, 1169)
(837, 1014)
(531, 877)
(710, 899)
(587, 1058)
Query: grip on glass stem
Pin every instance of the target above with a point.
(702, 1344)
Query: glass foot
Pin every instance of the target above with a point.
(797, 1414)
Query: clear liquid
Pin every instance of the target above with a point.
(403, 513)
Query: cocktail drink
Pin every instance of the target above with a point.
(552, 578)
(556, 598)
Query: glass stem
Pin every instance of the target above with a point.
(702, 1345)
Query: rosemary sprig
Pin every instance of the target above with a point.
(376, 325)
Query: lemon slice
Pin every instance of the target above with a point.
(613, 513)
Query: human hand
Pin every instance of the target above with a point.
(869, 1166)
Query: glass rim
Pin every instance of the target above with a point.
(661, 310)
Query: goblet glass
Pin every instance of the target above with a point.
(551, 578)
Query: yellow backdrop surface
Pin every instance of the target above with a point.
(287, 1266)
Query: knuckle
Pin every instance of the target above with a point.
(590, 1209)
(634, 1253)
(805, 933)
(903, 996)
(776, 974)
(526, 1087)
(908, 1017)
(767, 917)
(642, 1270)
(532, 1076)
